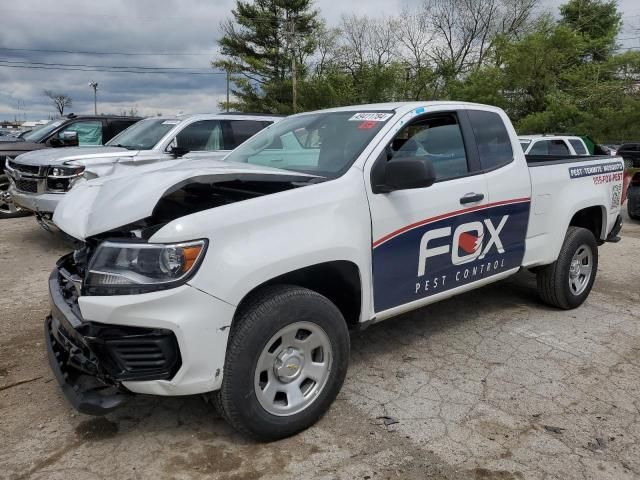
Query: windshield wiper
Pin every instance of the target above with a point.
(122, 146)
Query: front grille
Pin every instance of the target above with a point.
(30, 186)
(31, 169)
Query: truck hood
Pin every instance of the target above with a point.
(16, 148)
(58, 156)
(105, 204)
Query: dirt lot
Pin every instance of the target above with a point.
(489, 385)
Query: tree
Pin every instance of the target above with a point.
(261, 46)
(60, 101)
(597, 21)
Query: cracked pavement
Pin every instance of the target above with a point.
(488, 385)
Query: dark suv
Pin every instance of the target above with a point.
(70, 131)
(631, 154)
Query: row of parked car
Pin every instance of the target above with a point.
(36, 180)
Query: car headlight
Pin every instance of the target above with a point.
(119, 268)
(66, 171)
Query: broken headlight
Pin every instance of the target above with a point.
(119, 268)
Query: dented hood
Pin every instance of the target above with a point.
(104, 204)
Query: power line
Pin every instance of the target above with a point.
(44, 50)
(42, 67)
(100, 66)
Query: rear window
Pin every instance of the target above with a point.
(550, 147)
(492, 138)
(578, 146)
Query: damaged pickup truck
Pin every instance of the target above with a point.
(243, 277)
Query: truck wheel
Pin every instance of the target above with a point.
(566, 283)
(8, 209)
(286, 360)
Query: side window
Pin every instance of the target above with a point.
(238, 131)
(541, 147)
(578, 146)
(89, 132)
(116, 126)
(492, 138)
(437, 138)
(205, 135)
(558, 147)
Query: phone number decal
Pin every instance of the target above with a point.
(589, 171)
(608, 178)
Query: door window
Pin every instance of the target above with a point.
(205, 135)
(436, 138)
(89, 133)
(578, 146)
(492, 138)
(238, 131)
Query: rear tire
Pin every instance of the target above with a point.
(286, 361)
(566, 283)
(7, 208)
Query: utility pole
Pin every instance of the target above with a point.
(292, 40)
(227, 89)
(94, 85)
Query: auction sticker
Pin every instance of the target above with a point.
(371, 117)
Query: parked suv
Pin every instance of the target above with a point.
(70, 131)
(553, 145)
(40, 179)
(631, 154)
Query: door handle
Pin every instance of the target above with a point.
(471, 198)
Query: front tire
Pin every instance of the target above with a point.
(566, 283)
(286, 360)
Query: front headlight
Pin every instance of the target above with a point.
(131, 268)
(66, 172)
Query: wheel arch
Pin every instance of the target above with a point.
(340, 281)
(593, 218)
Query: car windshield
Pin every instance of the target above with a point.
(324, 144)
(40, 132)
(143, 135)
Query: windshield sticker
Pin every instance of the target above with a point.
(171, 122)
(589, 171)
(371, 117)
(367, 124)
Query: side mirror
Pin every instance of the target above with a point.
(178, 152)
(69, 139)
(403, 173)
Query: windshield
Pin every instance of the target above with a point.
(40, 132)
(324, 144)
(143, 135)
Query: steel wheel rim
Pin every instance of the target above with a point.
(293, 368)
(6, 204)
(580, 269)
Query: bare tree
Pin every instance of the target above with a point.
(60, 101)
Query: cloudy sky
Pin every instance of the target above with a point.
(166, 27)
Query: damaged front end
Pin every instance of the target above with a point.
(90, 360)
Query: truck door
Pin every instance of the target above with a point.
(508, 182)
(430, 240)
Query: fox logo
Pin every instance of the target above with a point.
(467, 244)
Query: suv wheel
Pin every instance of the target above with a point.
(286, 361)
(8, 209)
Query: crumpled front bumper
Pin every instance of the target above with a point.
(90, 361)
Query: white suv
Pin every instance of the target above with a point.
(553, 145)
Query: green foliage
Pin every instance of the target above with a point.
(554, 76)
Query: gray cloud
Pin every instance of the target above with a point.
(152, 26)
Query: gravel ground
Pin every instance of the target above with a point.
(488, 385)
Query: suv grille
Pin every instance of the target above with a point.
(30, 186)
(32, 169)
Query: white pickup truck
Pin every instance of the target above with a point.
(243, 277)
